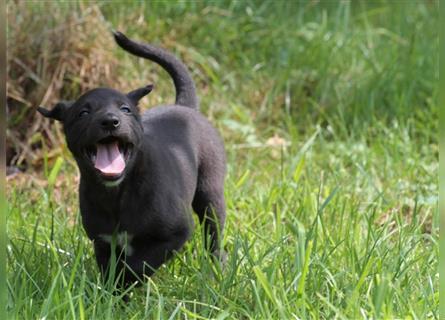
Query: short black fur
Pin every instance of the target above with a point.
(174, 162)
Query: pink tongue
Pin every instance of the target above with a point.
(109, 160)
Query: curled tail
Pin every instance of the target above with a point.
(185, 87)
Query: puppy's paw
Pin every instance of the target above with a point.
(221, 257)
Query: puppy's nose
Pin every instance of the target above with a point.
(110, 122)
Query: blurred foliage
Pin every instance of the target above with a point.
(341, 65)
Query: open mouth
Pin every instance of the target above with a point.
(109, 156)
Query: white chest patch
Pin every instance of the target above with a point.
(122, 240)
(110, 184)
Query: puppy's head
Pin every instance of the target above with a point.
(103, 131)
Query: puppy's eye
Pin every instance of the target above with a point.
(84, 113)
(125, 109)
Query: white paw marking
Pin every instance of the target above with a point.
(123, 241)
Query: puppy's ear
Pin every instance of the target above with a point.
(58, 112)
(138, 94)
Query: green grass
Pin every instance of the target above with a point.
(340, 222)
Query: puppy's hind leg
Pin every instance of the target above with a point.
(209, 205)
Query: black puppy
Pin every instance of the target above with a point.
(141, 174)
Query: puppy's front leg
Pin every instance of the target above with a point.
(105, 252)
(102, 251)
